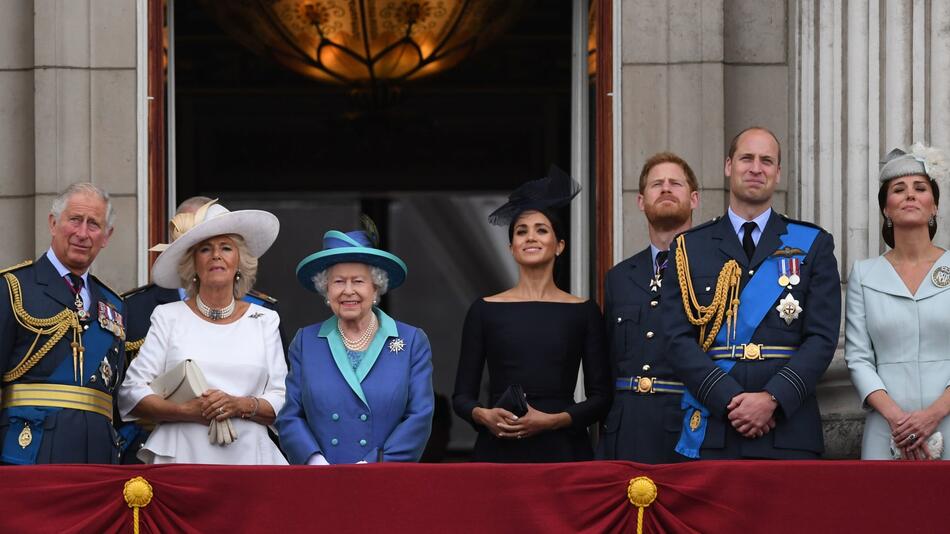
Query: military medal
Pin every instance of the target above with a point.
(105, 371)
(656, 283)
(941, 276)
(111, 320)
(25, 437)
(783, 266)
(795, 266)
(788, 309)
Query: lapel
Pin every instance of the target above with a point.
(882, 277)
(728, 240)
(328, 330)
(54, 286)
(927, 287)
(770, 240)
(640, 270)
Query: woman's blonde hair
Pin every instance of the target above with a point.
(244, 279)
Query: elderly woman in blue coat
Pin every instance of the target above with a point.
(360, 383)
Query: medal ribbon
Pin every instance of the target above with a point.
(754, 303)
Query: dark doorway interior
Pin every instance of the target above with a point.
(429, 167)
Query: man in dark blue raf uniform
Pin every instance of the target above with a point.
(62, 334)
(645, 419)
(752, 307)
(142, 301)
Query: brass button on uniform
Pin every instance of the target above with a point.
(619, 319)
(708, 288)
(334, 441)
(362, 443)
(751, 272)
(362, 417)
(646, 367)
(335, 417)
(653, 303)
(650, 335)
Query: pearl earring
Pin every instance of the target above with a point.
(327, 302)
(888, 222)
(933, 221)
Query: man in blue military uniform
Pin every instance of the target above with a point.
(62, 335)
(142, 301)
(644, 421)
(752, 307)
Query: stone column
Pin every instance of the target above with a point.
(16, 133)
(870, 77)
(672, 99)
(67, 113)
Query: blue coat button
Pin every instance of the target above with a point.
(362, 417)
(334, 441)
(363, 442)
(335, 417)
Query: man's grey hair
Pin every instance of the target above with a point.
(379, 276)
(84, 188)
(192, 204)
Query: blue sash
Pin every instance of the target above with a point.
(757, 298)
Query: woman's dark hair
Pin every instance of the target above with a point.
(552, 216)
(887, 232)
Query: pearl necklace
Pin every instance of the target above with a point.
(363, 340)
(215, 314)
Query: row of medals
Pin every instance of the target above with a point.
(789, 276)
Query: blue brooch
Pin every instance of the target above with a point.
(397, 345)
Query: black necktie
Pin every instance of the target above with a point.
(661, 261)
(748, 245)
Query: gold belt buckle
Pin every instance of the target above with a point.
(644, 384)
(752, 351)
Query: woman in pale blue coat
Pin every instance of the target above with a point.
(897, 337)
(360, 383)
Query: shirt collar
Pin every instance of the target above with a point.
(738, 221)
(62, 269)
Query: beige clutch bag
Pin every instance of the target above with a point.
(182, 383)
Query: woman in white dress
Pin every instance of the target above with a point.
(236, 345)
(897, 330)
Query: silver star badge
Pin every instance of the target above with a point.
(397, 345)
(788, 309)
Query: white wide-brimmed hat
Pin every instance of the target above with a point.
(258, 228)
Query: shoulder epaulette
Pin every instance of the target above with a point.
(803, 223)
(22, 264)
(263, 296)
(136, 291)
(700, 226)
(106, 287)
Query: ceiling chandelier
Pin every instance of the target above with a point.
(365, 43)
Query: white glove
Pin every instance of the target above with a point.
(317, 459)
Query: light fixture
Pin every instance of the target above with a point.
(365, 43)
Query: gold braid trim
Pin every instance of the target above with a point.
(725, 300)
(55, 327)
(134, 346)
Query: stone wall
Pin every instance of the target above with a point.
(68, 113)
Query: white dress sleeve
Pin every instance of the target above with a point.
(149, 364)
(274, 389)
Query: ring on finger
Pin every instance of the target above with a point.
(912, 437)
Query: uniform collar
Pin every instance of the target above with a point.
(759, 221)
(62, 269)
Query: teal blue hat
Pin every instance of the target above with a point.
(350, 247)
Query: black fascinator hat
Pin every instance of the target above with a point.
(545, 195)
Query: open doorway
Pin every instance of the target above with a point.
(428, 166)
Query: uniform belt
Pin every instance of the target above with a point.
(647, 385)
(58, 396)
(752, 351)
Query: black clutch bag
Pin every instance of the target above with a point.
(513, 400)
